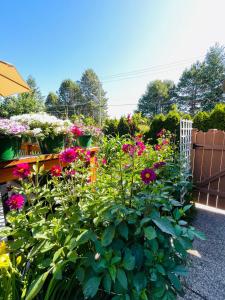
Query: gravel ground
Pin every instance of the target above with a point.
(206, 279)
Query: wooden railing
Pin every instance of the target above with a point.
(48, 160)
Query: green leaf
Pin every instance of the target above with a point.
(57, 254)
(122, 278)
(140, 281)
(150, 233)
(123, 230)
(180, 270)
(108, 235)
(187, 207)
(199, 234)
(107, 282)
(90, 288)
(165, 225)
(37, 285)
(84, 237)
(112, 272)
(129, 260)
(175, 281)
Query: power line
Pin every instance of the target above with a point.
(148, 69)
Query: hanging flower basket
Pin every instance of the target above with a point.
(53, 144)
(84, 141)
(9, 148)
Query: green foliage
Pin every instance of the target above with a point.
(110, 127)
(123, 127)
(23, 103)
(157, 124)
(118, 238)
(201, 121)
(156, 98)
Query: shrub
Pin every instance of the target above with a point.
(122, 238)
(110, 127)
(157, 124)
(217, 117)
(201, 121)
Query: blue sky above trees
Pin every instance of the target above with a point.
(54, 40)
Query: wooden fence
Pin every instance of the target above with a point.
(208, 167)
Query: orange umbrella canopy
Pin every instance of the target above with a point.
(10, 81)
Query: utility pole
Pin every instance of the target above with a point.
(100, 105)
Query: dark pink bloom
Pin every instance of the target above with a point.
(104, 161)
(148, 175)
(138, 137)
(68, 155)
(88, 156)
(76, 131)
(160, 133)
(157, 147)
(16, 201)
(128, 148)
(141, 147)
(159, 164)
(56, 171)
(21, 170)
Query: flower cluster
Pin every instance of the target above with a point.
(12, 128)
(80, 129)
(130, 149)
(76, 131)
(16, 201)
(43, 124)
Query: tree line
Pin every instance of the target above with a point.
(84, 97)
(198, 89)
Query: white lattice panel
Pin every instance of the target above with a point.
(185, 143)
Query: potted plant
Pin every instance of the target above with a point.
(10, 138)
(48, 130)
(84, 135)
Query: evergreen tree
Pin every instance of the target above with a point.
(156, 98)
(94, 97)
(52, 104)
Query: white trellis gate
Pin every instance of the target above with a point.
(185, 151)
(185, 143)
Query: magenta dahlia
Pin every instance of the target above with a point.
(148, 175)
(16, 201)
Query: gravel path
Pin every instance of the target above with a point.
(207, 270)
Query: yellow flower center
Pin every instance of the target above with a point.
(147, 175)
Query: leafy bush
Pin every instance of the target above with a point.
(217, 117)
(110, 127)
(157, 124)
(123, 237)
(201, 121)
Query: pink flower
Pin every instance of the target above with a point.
(104, 161)
(165, 142)
(141, 147)
(76, 131)
(157, 147)
(56, 171)
(159, 164)
(21, 170)
(16, 201)
(68, 155)
(148, 175)
(128, 148)
(88, 156)
(70, 172)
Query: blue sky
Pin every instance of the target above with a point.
(57, 39)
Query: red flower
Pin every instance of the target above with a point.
(88, 156)
(68, 155)
(159, 164)
(157, 147)
(56, 171)
(16, 201)
(148, 175)
(141, 147)
(21, 170)
(76, 131)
